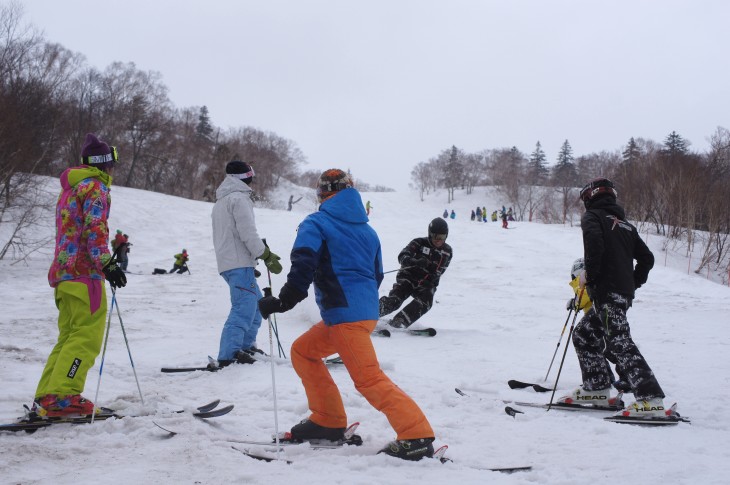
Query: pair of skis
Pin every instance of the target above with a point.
(513, 384)
(671, 417)
(213, 364)
(379, 332)
(349, 439)
(32, 422)
(418, 332)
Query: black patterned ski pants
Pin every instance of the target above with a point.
(603, 331)
(421, 303)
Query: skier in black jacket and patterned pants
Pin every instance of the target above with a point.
(422, 262)
(610, 247)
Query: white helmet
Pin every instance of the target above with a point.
(578, 266)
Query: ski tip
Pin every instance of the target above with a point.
(209, 407)
(512, 411)
(511, 469)
(170, 432)
(460, 392)
(215, 412)
(513, 384)
(539, 388)
(261, 457)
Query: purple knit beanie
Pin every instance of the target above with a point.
(97, 153)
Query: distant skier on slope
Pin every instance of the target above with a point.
(610, 246)
(181, 262)
(422, 261)
(120, 246)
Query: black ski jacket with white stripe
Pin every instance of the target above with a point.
(610, 246)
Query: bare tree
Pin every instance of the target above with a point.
(422, 176)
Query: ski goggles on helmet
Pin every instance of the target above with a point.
(438, 237)
(597, 187)
(100, 159)
(246, 175)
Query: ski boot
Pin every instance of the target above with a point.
(600, 398)
(54, 406)
(308, 430)
(645, 408)
(412, 450)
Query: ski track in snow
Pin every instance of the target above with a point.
(499, 312)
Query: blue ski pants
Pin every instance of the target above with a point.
(244, 320)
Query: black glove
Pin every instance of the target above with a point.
(571, 304)
(418, 262)
(269, 305)
(288, 298)
(114, 275)
(256, 273)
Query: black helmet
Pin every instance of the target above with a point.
(241, 170)
(599, 186)
(438, 227)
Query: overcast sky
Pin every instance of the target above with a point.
(378, 86)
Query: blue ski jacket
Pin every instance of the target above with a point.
(340, 253)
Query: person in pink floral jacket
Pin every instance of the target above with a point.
(80, 264)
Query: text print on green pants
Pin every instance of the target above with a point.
(80, 335)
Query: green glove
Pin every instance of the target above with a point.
(271, 261)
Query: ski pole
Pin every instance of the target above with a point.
(278, 341)
(267, 292)
(103, 354)
(272, 321)
(565, 351)
(131, 360)
(559, 340)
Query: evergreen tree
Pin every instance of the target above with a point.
(632, 152)
(675, 145)
(537, 171)
(204, 129)
(564, 173)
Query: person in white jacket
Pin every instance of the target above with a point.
(237, 246)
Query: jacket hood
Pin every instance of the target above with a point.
(608, 204)
(346, 206)
(231, 184)
(72, 176)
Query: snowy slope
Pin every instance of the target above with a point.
(499, 312)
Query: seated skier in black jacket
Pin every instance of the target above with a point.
(422, 261)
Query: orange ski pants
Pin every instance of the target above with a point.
(353, 343)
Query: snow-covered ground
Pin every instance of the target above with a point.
(499, 313)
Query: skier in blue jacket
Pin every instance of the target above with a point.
(340, 253)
